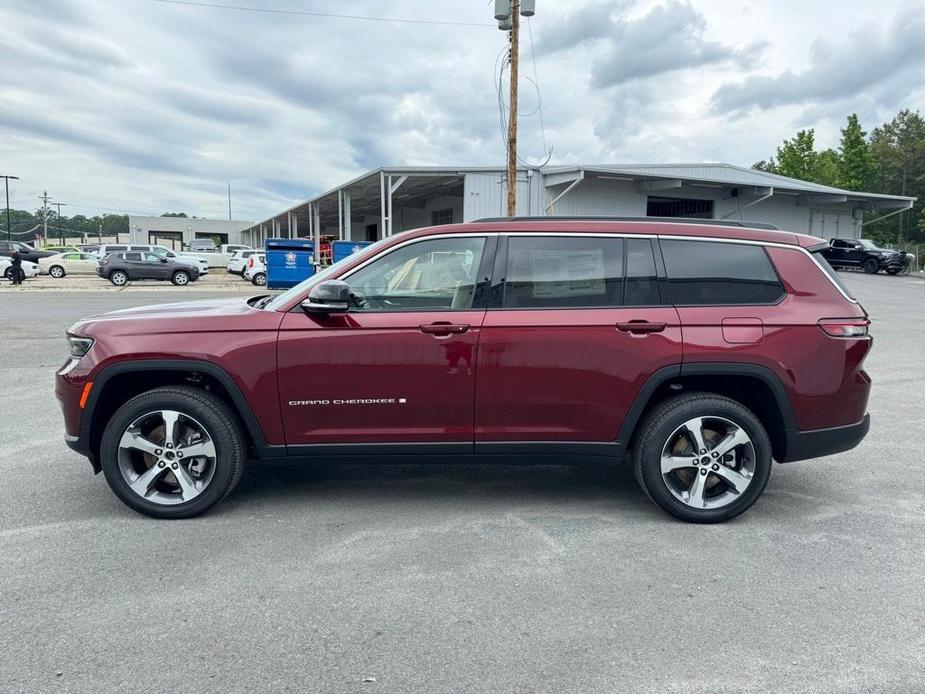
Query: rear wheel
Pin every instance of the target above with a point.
(172, 452)
(118, 278)
(8, 273)
(180, 278)
(871, 266)
(260, 279)
(703, 458)
(56, 271)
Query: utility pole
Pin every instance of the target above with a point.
(58, 221)
(229, 201)
(99, 234)
(44, 198)
(508, 13)
(6, 180)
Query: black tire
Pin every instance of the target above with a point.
(664, 419)
(180, 278)
(56, 271)
(871, 266)
(202, 406)
(8, 273)
(260, 279)
(118, 278)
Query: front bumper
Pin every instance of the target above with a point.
(816, 443)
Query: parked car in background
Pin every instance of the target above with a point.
(29, 269)
(867, 256)
(26, 251)
(696, 352)
(221, 255)
(199, 263)
(206, 245)
(71, 263)
(124, 266)
(238, 262)
(61, 249)
(256, 270)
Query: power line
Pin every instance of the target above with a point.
(329, 15)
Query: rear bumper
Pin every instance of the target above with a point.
(803, 445)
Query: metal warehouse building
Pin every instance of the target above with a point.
(388, 200)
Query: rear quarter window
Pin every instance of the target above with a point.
(713, 273)
(830, 271)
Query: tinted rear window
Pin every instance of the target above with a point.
(830, 271)
(709, 273)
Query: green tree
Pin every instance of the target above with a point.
(898, 155)
(824, 167)
(770, 165)
(855, 166)
(796, 158)
(175, 214)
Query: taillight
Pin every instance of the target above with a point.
(845, 327)
(250, 262)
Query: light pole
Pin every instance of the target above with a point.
(6, 180)
(58, 221)
(508, 13)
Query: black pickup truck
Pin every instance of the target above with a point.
(866, 255)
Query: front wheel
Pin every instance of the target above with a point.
(871, 266)
(8, 273)
(118, 278)
(702, 457)
(180, 278)
(56, 271)
(172, 452)
(260, 279)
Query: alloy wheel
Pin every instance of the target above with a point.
(708, 462)
(56, 271)
(167, 457)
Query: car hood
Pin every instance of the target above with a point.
(210, 315)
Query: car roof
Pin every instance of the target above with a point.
(703, 228)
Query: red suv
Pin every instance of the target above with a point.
(698, 352)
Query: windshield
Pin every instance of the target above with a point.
(288, 295)
(869, 245)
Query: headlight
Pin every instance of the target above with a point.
(79, 346)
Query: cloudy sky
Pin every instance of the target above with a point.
(147, 106)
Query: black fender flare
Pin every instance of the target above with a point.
(674, 371)
(242, 406)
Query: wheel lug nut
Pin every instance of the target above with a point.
(179, 454)
(174, 466)
(703, 471)
(716, 467)
(715, 455)
(696, 463)
(169, 445)
(702, 451)
(157, 451)
(161, 464)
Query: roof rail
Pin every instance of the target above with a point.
(591, 218)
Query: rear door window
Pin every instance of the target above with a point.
(563, 272)
(711, 273)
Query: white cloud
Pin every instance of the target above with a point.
(151, 107)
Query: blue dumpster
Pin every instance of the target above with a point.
(342, 249)
(289, 261)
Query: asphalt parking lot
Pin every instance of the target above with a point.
(466, 579)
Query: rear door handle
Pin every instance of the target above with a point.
(444, 328)
(641, 327)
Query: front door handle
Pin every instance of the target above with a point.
(444, 328)
(641, 327)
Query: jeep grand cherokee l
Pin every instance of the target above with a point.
(697, 352)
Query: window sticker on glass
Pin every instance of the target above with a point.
(570, 273)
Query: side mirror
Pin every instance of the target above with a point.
(332, 296)
(163, 260)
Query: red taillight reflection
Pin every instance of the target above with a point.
(845, 327)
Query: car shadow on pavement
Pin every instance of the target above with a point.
(487, 485)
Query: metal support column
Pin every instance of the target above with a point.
(316, 225)
(382, 206)
(348, 218)
(340, 215)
